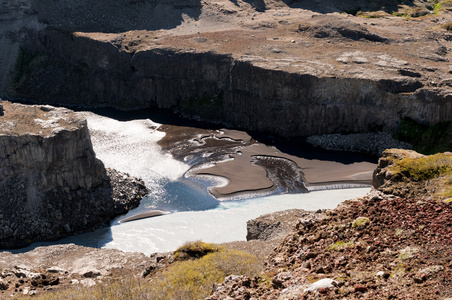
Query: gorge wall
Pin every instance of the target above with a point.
(243, 92)
(51, 183)
(311, 68)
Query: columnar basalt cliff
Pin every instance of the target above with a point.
(292, 69)
(51, 183)
(249, 92)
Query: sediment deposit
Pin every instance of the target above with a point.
(51, 183)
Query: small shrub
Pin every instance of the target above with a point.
(196, 249)
(194, 279)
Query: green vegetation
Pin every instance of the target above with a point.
(405, 10)
(424, 168)
(439, 6)
(194, 279)
(426, 139)
(195, 249)
(398, 270)
(359, 222)
(341, 245)
(190, 279)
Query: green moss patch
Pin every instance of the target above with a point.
(424, 168)
(341, 245)
(360, 222)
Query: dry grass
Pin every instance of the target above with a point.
(190, 279)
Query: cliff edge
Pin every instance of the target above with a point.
(51, 183)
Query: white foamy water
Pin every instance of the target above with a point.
(132, 147)
(225, 223)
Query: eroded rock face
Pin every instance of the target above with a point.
(51, 183)
(278, 224)
(249, 91)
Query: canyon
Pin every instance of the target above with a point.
(267, 66)
(289, 69)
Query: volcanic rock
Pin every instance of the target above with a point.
(51, 183)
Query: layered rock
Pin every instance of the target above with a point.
(292, 69)
(249, 91)
(51, 183)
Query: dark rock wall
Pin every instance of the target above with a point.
(218, 88)
(66, 159)
(51, 183)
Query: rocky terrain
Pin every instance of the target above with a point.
(51, 184)
(59, 266)
(286, 68)
(380, 246)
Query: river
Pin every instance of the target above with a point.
(131, 146)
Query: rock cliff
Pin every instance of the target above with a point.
(51, 183)
(292, 69)
(250, 92)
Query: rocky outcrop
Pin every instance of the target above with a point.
(278, 224)
(51, 183)
(406, 173)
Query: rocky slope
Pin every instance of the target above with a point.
(380, 246)
(59, 266)
(51, 183)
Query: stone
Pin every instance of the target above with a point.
(325, 283)
(88, 282)
(360, 288)
(56, 269)
(4, 285)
